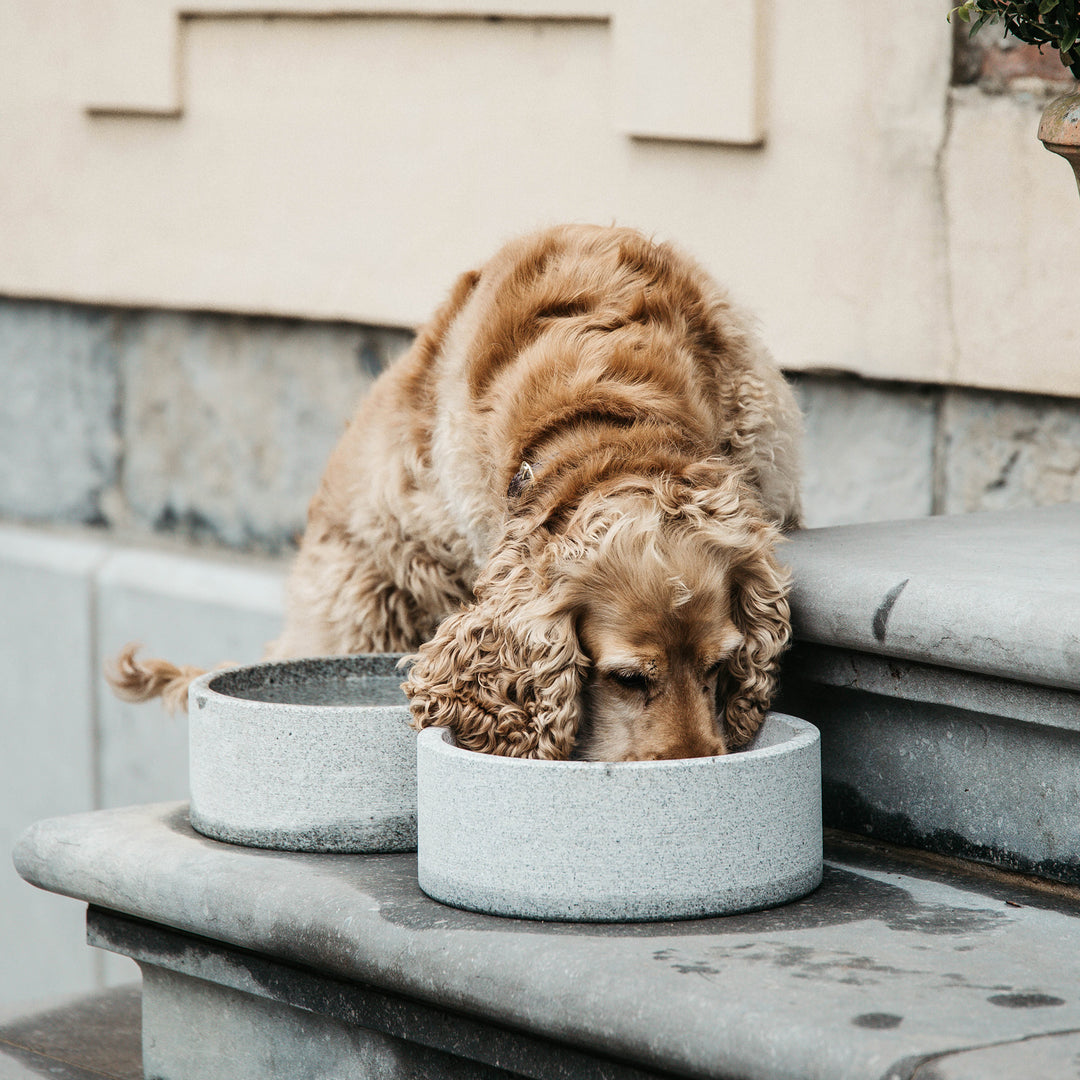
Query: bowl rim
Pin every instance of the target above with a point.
(440, 741)
(203, 684)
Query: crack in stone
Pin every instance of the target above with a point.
(881, 616)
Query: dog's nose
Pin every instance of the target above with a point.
(684, 748)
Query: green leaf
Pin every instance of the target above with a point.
(1037, 22)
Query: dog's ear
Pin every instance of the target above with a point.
(505, 674)
(758, 589)
(759, 603)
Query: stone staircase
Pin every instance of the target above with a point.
(941, 660)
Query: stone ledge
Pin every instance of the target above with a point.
(940, 659)
(1052, 1055)
(994, 593)
(929, 685)
(190, 977)
(965, 765)
(891, 963)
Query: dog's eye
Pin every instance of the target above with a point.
(711, 672)
(630, 680)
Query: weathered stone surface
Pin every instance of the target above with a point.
(886, 964)
(210, 427)
(962, 764)
(992, 593)
(47, 763)
(223, 424)
(1009, 451)
(85, 1037)
(868, 450)
(261, 1037)
(944, 675)
(59, 439)
(621, 841)
(228, 421)
(1048, 1055)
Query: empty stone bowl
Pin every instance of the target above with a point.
(304, 755)
(621, 841)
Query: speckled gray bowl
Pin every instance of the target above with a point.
(305, 755)
(625, 841)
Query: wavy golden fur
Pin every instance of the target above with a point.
(566, 497)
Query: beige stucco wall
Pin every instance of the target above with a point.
(269, 156)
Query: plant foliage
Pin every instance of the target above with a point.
(1038, 22)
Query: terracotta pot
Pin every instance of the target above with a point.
(1059, 130)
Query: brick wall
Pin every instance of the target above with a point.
(999, 63)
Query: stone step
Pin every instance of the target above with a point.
(940, 659)
(95, 1036)
(899, 965)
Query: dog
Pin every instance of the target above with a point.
(565, 500)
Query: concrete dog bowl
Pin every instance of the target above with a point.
(304, 755)
(636, 840)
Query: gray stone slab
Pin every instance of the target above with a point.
(253, 1036)
(88, 1037)
(228, 421)
(927, 684)
(59, 434)
(886, 965)
(47, 764)
(1008, 451)
(868, 450)
(953, 762)
(210, 982)
(992, 593)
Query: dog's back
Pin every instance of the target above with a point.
(593, 346)
(586, 341)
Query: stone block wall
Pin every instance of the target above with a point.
(208, 428)
(59, 438)
(879, 451)
(213, 429)
(1005, 451)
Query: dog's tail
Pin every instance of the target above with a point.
(142, 680)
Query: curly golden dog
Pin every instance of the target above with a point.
(566, 497)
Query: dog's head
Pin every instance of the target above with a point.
(649, 625)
